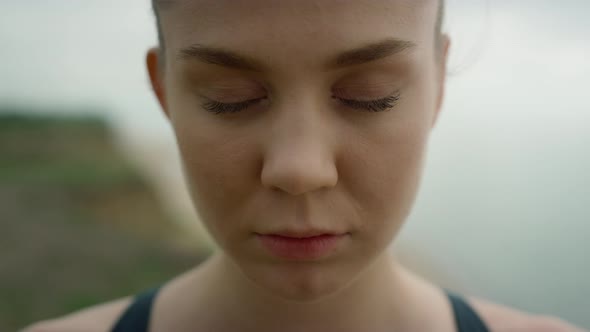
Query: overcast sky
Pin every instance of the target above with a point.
(531, 57)
(510, 150)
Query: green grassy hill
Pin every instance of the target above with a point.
(78, 224)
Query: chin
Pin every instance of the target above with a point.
(301, 282)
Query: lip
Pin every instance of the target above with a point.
(304, 234)
(301, 246)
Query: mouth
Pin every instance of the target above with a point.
(301, 246)
(302, 234)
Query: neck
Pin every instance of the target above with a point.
(382, 298)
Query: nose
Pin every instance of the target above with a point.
(299, 156)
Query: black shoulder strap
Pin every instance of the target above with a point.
(466, 318)
(137, 316)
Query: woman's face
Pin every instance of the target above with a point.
(297, 116)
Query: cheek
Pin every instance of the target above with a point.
(382, 171)
(220, 169)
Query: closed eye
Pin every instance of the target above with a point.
(217, 107)
(377, 105)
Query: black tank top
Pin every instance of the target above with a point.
(136, 317)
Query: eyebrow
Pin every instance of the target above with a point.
(226, 58)
(219, 56)
(371, 52)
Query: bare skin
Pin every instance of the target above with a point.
(336, 117)
(101, 318)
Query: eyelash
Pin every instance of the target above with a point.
(378, 105)
(218, 107)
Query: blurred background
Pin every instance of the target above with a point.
(93, 207)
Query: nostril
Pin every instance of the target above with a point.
(296, 182)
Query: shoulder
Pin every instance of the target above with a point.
(99, 318)
(500, 318)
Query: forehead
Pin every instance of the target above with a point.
(288, 28)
